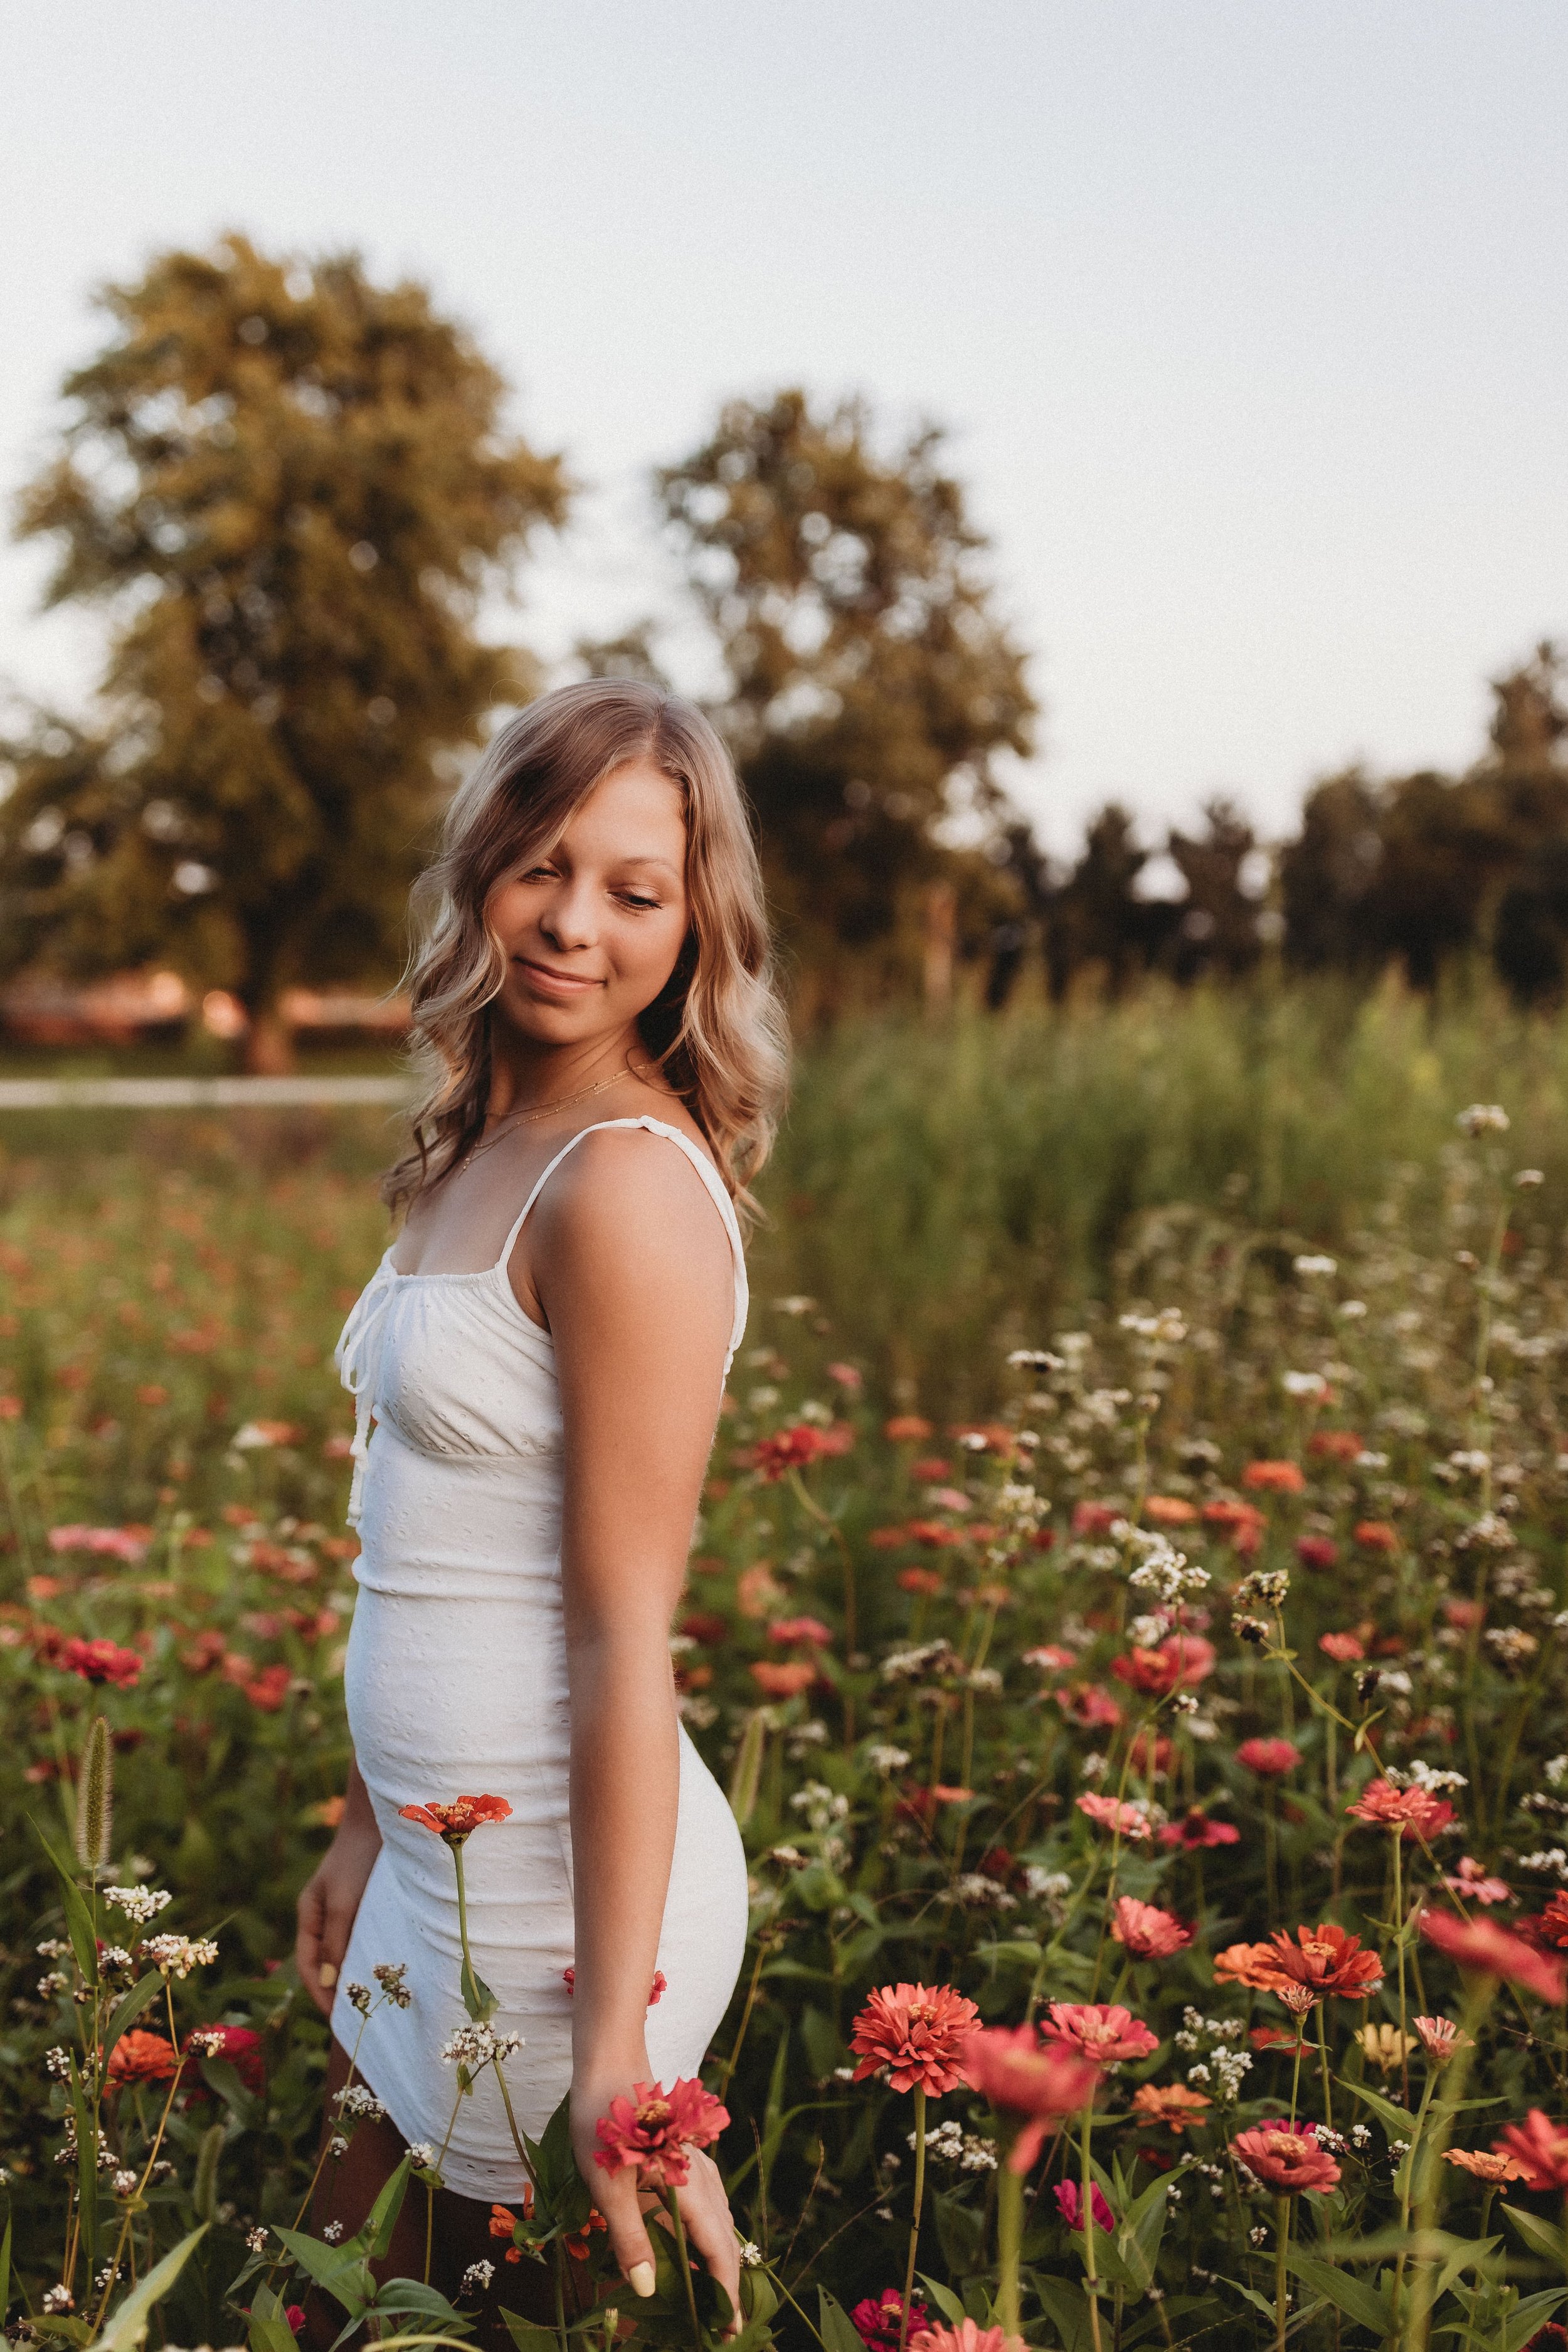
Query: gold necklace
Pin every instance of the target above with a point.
(541, 1110)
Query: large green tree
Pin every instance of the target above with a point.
(872, 685)
(290, 488)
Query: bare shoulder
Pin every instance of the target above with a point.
(627, 1208)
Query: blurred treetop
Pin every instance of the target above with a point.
(872, 685)
(290, 486)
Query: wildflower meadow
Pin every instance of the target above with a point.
(1155, 1787)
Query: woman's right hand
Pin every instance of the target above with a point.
(330, 1898)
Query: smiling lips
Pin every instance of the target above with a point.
(552, 982)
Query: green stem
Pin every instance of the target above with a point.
(1281, 2247)
(915, 2213)
(1009, 2240)
(560, 2293)
(1091, 2275)
(672, 2206)
(1399, 1947)
(1479, 1993)
(1323, 2061)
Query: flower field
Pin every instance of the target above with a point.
(1154, 1788)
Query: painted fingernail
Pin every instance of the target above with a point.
(641, 2277)
(328, 1974)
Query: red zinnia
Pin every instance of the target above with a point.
(457, 1822)
(100, 1662)
(1287, 2158)
(239, 2044)
(1147, 1932)
(1540, 2148)
(1482, 1945)
(656, 2133)
(1027, 2085)
(918, 2032)
(1344, 1649)
(1100, 2029)
(1317, 1551)
(1552, 1926)
(1269, 1759)
(793, 1449)
(878, 2321)
(1376, 1535)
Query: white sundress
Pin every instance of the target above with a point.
(456, 1685)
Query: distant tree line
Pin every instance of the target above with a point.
(292, 490)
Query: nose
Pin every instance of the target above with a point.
(568, 918)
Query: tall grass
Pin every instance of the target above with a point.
(945, 1190)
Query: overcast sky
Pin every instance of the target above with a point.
(1248, 321)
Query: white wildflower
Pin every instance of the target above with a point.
(138, 1903)
(884, 1758)
(1483, 1118)
(176, 1955)
(477, 2278)
(1310, 1266)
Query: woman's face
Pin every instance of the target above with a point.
(593, 929)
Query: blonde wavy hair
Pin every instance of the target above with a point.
(716, 1031)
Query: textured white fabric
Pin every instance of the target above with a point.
(456, 1684)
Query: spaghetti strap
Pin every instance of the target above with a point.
(705, 1168)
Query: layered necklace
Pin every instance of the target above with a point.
(541, 1110)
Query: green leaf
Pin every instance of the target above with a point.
(838, 2331)
(6, 2270)
(268, 2330)
(127, 2326)
(478, 1999)
(1545, 2237)
(1399, 2121)
(126, 2012)
(1067, 2308)
(339, 2271)
(402, 2294)
(203, 2193)
(1138, 2240)
(1532, 2313)
(528, 2336)
(78, 1918)
(946, 2302)
(376, 2234)
(1352, 2296)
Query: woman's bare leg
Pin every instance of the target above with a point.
(350, 2185)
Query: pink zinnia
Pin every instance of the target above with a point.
(1100, 2029)
(967, 2337)
(1482, 1945)
(918, 2032)
(809, 1630)
(1113, 1814)
(1070, 2205)
(1540, 2148)
(1413, 1811)
(656, 2133)
(1147, 1932)
(1269, 1759)
(1470, 1881)
(1440, 2037)
(1287, 2158)
(1197, 1829)
(1026, 2085)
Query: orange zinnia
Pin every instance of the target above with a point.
(1274, 1477)
(456, 1822)
(1327, 1959)
(1171, 2104)
(139, 2057)
(1252, 1964)
(1146, 1932)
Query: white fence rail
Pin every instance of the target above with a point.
(196, 1094)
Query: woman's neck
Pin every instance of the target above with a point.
(526, 1076)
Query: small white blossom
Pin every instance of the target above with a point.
(421, 2155)
(1310, 1266)
(477, 2278)
(176, 1955)
(332, 2231)
(1483, 1118)
(1304, 1384)
(749, 2253)
(256, 2240)
(124, 2182)
(884, 1758)
(138, 1903)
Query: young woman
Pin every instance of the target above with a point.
(542, 1352)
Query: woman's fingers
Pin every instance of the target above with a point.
(616, 2199)
(309, 1955)
(705, 2210)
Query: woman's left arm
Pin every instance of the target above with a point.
(632, 1265)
